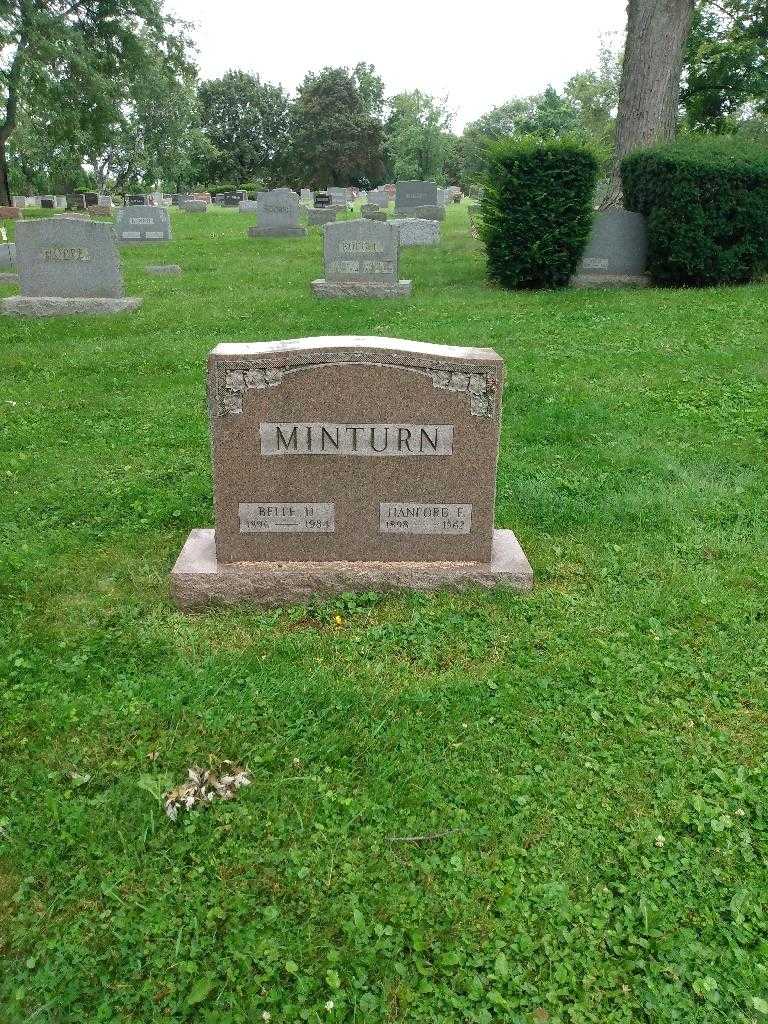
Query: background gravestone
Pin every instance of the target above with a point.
(193, 206)
(278, 215)
(415, 231)
(410, 195)
(322, 216)
(143, 224)
(616, 251)
(361, 261)
(350, 463)
(322, 199)
(8, 273)
(67, 265)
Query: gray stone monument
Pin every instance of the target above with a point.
(8, 274)
(248, 205)
(410, 195)
(616, 252)
(136, 224)
(350, 464)
(321, 216)
(67, 265)
(278, 214)
(415, 231)
(193, 206)
(361, 261)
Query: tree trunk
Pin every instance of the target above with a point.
(649, 91)
(5, 188)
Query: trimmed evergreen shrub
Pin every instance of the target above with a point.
(706, 200)
(536, 211)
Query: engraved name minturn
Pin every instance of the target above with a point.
(356, 438)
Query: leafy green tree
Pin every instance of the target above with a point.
(245, 122)
(370, 87)
(418, 137)
(81, 62)
(725, 70)
(335, 137)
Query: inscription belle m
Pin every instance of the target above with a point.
(356, 438)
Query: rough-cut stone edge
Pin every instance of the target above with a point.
(163, 268)
(610, 281)
(37, 306)
(258, 232)
(198, 581)
(360, 289)
(8, 277)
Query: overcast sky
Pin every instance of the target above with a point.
(478, 53)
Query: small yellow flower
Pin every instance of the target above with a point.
(338, 620)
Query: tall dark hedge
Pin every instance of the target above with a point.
(706, 201)
(536, 211)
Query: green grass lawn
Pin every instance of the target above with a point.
(591, 757)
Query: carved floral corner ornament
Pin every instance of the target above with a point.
(233, 382)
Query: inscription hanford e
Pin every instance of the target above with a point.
(350, 463)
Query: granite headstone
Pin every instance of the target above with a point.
(143, 224)
(350, 463)
(67, 265)
(361, 261)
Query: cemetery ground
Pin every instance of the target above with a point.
(478, 807)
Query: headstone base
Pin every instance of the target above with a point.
(360, 289)
(610, 281)
(423, 212)
(374, 215)
(417, 231)
(198, 581)
(163, 268)
(36, 306)
(258, 232)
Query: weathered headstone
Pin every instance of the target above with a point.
(143, 224)
(361, 261)
(379, 197)
(347, 464)
(318, 217)
(306, 195)
(424, 212)
(193, 206)
(322, 199)
(232, 198)
(47, 202)
(278, 215)
(411, 195)
(9, 213)
(67, 265)
(8, 273)
(75, 201)
(248, 205)
(340, 196)
(616, 251)
(136, 200)
(415, 231)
